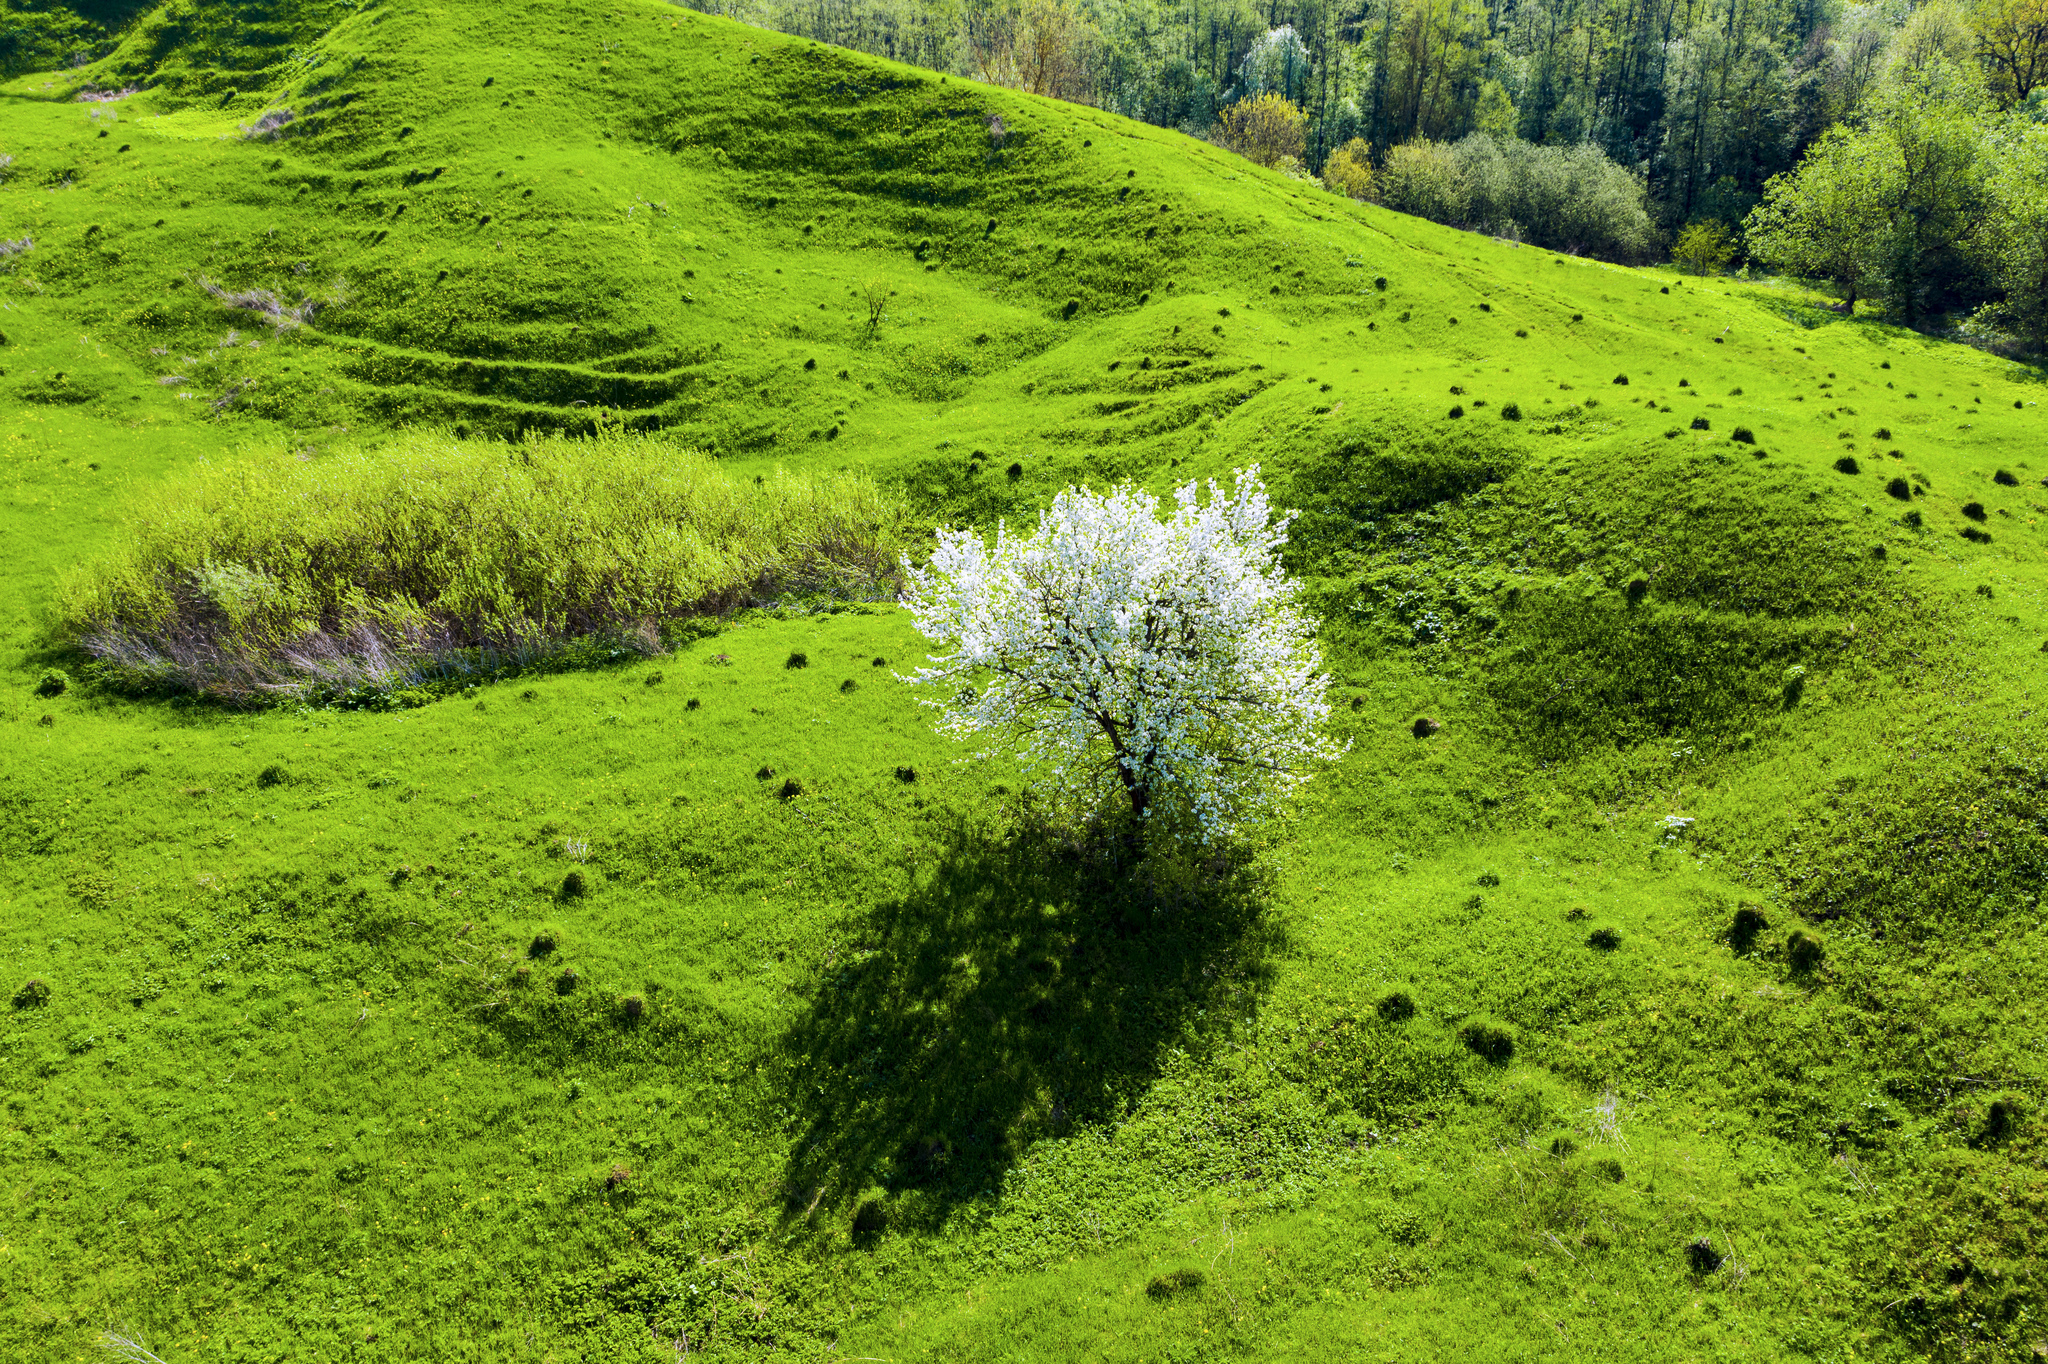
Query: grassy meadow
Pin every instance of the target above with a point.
(681, 991)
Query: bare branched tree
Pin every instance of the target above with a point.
(126, 1343)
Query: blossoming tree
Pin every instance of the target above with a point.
(1162, 659)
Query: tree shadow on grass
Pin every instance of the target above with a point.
(1027, 983)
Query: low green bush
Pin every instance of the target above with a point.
(1164, 1286)
(1488, 1040)
(1742, 933)
(279, 578)
(870, 1220)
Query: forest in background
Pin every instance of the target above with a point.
(1895, 153)
(1486, 114)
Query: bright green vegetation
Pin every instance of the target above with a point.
(363, 573)
(704, 994)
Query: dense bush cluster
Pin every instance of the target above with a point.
(1566, 198)
(280, 577)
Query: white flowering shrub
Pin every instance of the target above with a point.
(1163, 660)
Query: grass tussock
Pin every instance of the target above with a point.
(282, 578)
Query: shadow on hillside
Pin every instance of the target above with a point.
(1027, 984)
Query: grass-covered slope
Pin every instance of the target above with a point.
(703, 1000)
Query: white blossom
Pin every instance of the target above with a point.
(1162, 659)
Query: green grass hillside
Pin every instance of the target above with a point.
(696, 997)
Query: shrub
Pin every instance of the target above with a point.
(2004, 478)
(1621, 379)
(33, 994)
(692, 704)
(1974, 510)
(1267, 129)
(797, 659)
(266, 304)
(1349, 170)
(566, 983)
(1999, 1121)
(268, 125)
(573, 886)
(1970, 533)
(1912, 519)
(1702, 1257)
(879, 663)
(906, 775)
(616, 1178)
(1069, 308)
(1562, 197)
(1804, 952)
(1794, 685)
(1424, 727)
(1701, 424)
(1608, 1168)
(273, 775)
(1456, 411)
(54, 682)
(1900, 489)
(250, 580)
(870, 1219)
(1847, 464)
(631, 1007)
(1703, 249)
(1165, 1286)
(1488, 1040)
(1743, 435)
(1397, 1007)
(1487, 878)
(1510, 412)
(791, 789)
(848, 685)
(1742, 933)
(765, 773)
(1882, 433)
(1603, 940)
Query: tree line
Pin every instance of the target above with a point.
(1606, 126)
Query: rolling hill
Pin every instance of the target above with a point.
(1676, 996)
